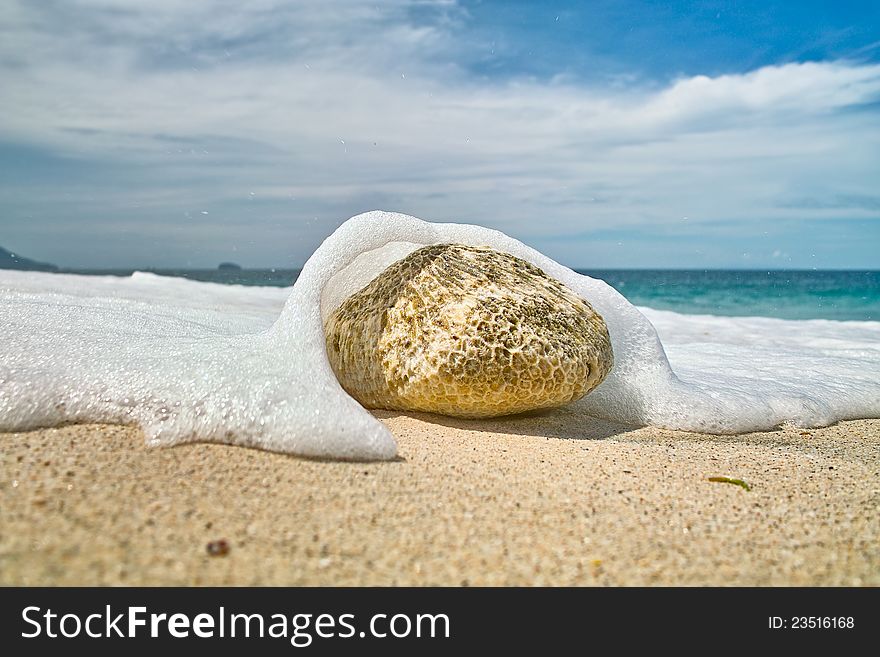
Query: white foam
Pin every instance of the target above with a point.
(245, 365)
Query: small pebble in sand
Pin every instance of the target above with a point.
(218, 548)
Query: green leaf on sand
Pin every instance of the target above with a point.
(730, 480)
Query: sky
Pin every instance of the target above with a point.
(184, 133)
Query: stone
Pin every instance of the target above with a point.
(468, 332)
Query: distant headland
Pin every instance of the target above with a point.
(228, 266)
(9, 260)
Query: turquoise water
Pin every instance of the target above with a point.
(840, 295)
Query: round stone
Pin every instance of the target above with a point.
(468, 332)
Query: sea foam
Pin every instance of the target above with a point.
(243, 365)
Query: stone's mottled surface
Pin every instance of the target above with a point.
(468, 332)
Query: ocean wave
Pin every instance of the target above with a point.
(246, 365)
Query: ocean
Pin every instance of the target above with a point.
(837, 295)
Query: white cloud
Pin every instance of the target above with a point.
(262, 94)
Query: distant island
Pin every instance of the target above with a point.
(228, 266)
(9, 260)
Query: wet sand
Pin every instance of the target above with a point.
(540, 500)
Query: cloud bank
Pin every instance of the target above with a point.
(180, 132)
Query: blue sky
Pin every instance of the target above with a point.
(606, 134)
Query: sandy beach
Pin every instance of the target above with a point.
(541, 500)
